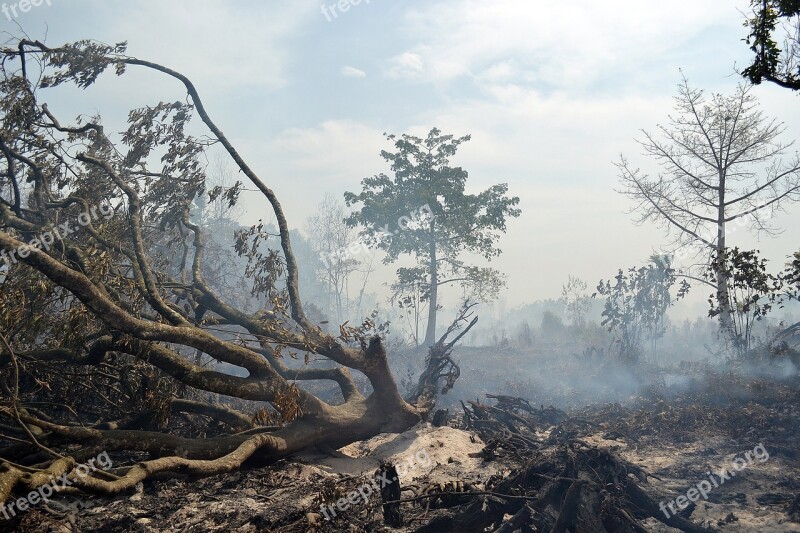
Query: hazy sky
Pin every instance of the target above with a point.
(552, 93)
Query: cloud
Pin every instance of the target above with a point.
(561, 44)
(408, 65)
(215, 43)
(334, 154)
(353, 72)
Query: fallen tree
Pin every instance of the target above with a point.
(107, 321)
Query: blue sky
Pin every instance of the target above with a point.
(552, 93)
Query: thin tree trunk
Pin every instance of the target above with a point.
(430, 332)
(725, 318)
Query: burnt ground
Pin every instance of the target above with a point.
(604, 467)
(682, 439)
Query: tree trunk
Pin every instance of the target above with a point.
(725, 316)
(430, 332)
(384, 411)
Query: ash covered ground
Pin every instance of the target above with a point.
(511, 463)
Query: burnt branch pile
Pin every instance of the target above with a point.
(562, 483)
(570, 487)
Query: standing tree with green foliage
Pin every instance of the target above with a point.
(771, 21)
(752, 292)
(436, 219)
(636, 304)
(791, 291)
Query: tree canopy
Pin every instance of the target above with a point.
(425, 211)
(774, 61)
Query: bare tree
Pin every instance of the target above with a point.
(220, 215)
(93, 307)
(336, 245)
(408, 294)
(220, 177)
(576, 301)
(721, 161)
